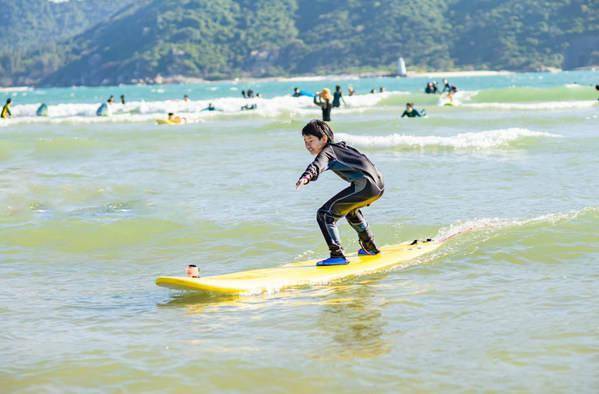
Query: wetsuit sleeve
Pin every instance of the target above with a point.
(405, 113)
(319, 165)
(319, 103)
(417, 113)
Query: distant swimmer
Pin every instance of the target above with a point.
(297, 93)
(249, 107)
(338, 97)
(186, 98)
(323, 100)
(381, 89)
(452, 91)
(5, 114)
(211, 108)
(431, 88)
(351, 91)
(446, 86)
(123, 99)
(103, 110)
(412, 112)
(42, 110)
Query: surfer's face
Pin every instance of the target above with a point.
(315, 144)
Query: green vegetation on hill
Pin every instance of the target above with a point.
(32, 32)
(91, 44)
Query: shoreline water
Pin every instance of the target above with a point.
(187, 80)
(343, 76)
(184, 80)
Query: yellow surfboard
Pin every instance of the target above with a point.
(303, 273)
(169, 122)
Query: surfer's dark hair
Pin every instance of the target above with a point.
(318, 129)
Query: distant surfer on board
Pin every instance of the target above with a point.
(366, 186)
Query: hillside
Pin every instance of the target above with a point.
(227, 39)
(36, 28)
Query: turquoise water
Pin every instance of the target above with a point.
(92, 210)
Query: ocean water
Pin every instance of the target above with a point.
(93, 209)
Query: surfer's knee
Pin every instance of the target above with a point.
(324, 215)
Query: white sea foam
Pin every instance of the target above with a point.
(479, 140)
(546, 105)
(143, 111)
(493, 224)
(575, 86)
(16, 89)
(458, 98)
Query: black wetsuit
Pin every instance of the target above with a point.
(411, 114)
(366, 186)
(337, 99)
(326, 108)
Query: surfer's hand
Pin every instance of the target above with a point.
(300, 183)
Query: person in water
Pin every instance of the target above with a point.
(351, 91)
(431, 88)
(366, 186)
(338, 97)
(42, 110)
(211, 108)
(452, 91)
(174, 118)
(249, 107)
(104, 109)
(323, 100)
(411, 112)
(296, 93)
(5, 114)
(186, 98)
(123, 99)
(446, 86)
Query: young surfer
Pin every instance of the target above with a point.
(366, 186)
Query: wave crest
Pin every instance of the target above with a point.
(485, 224)
(479, 140)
